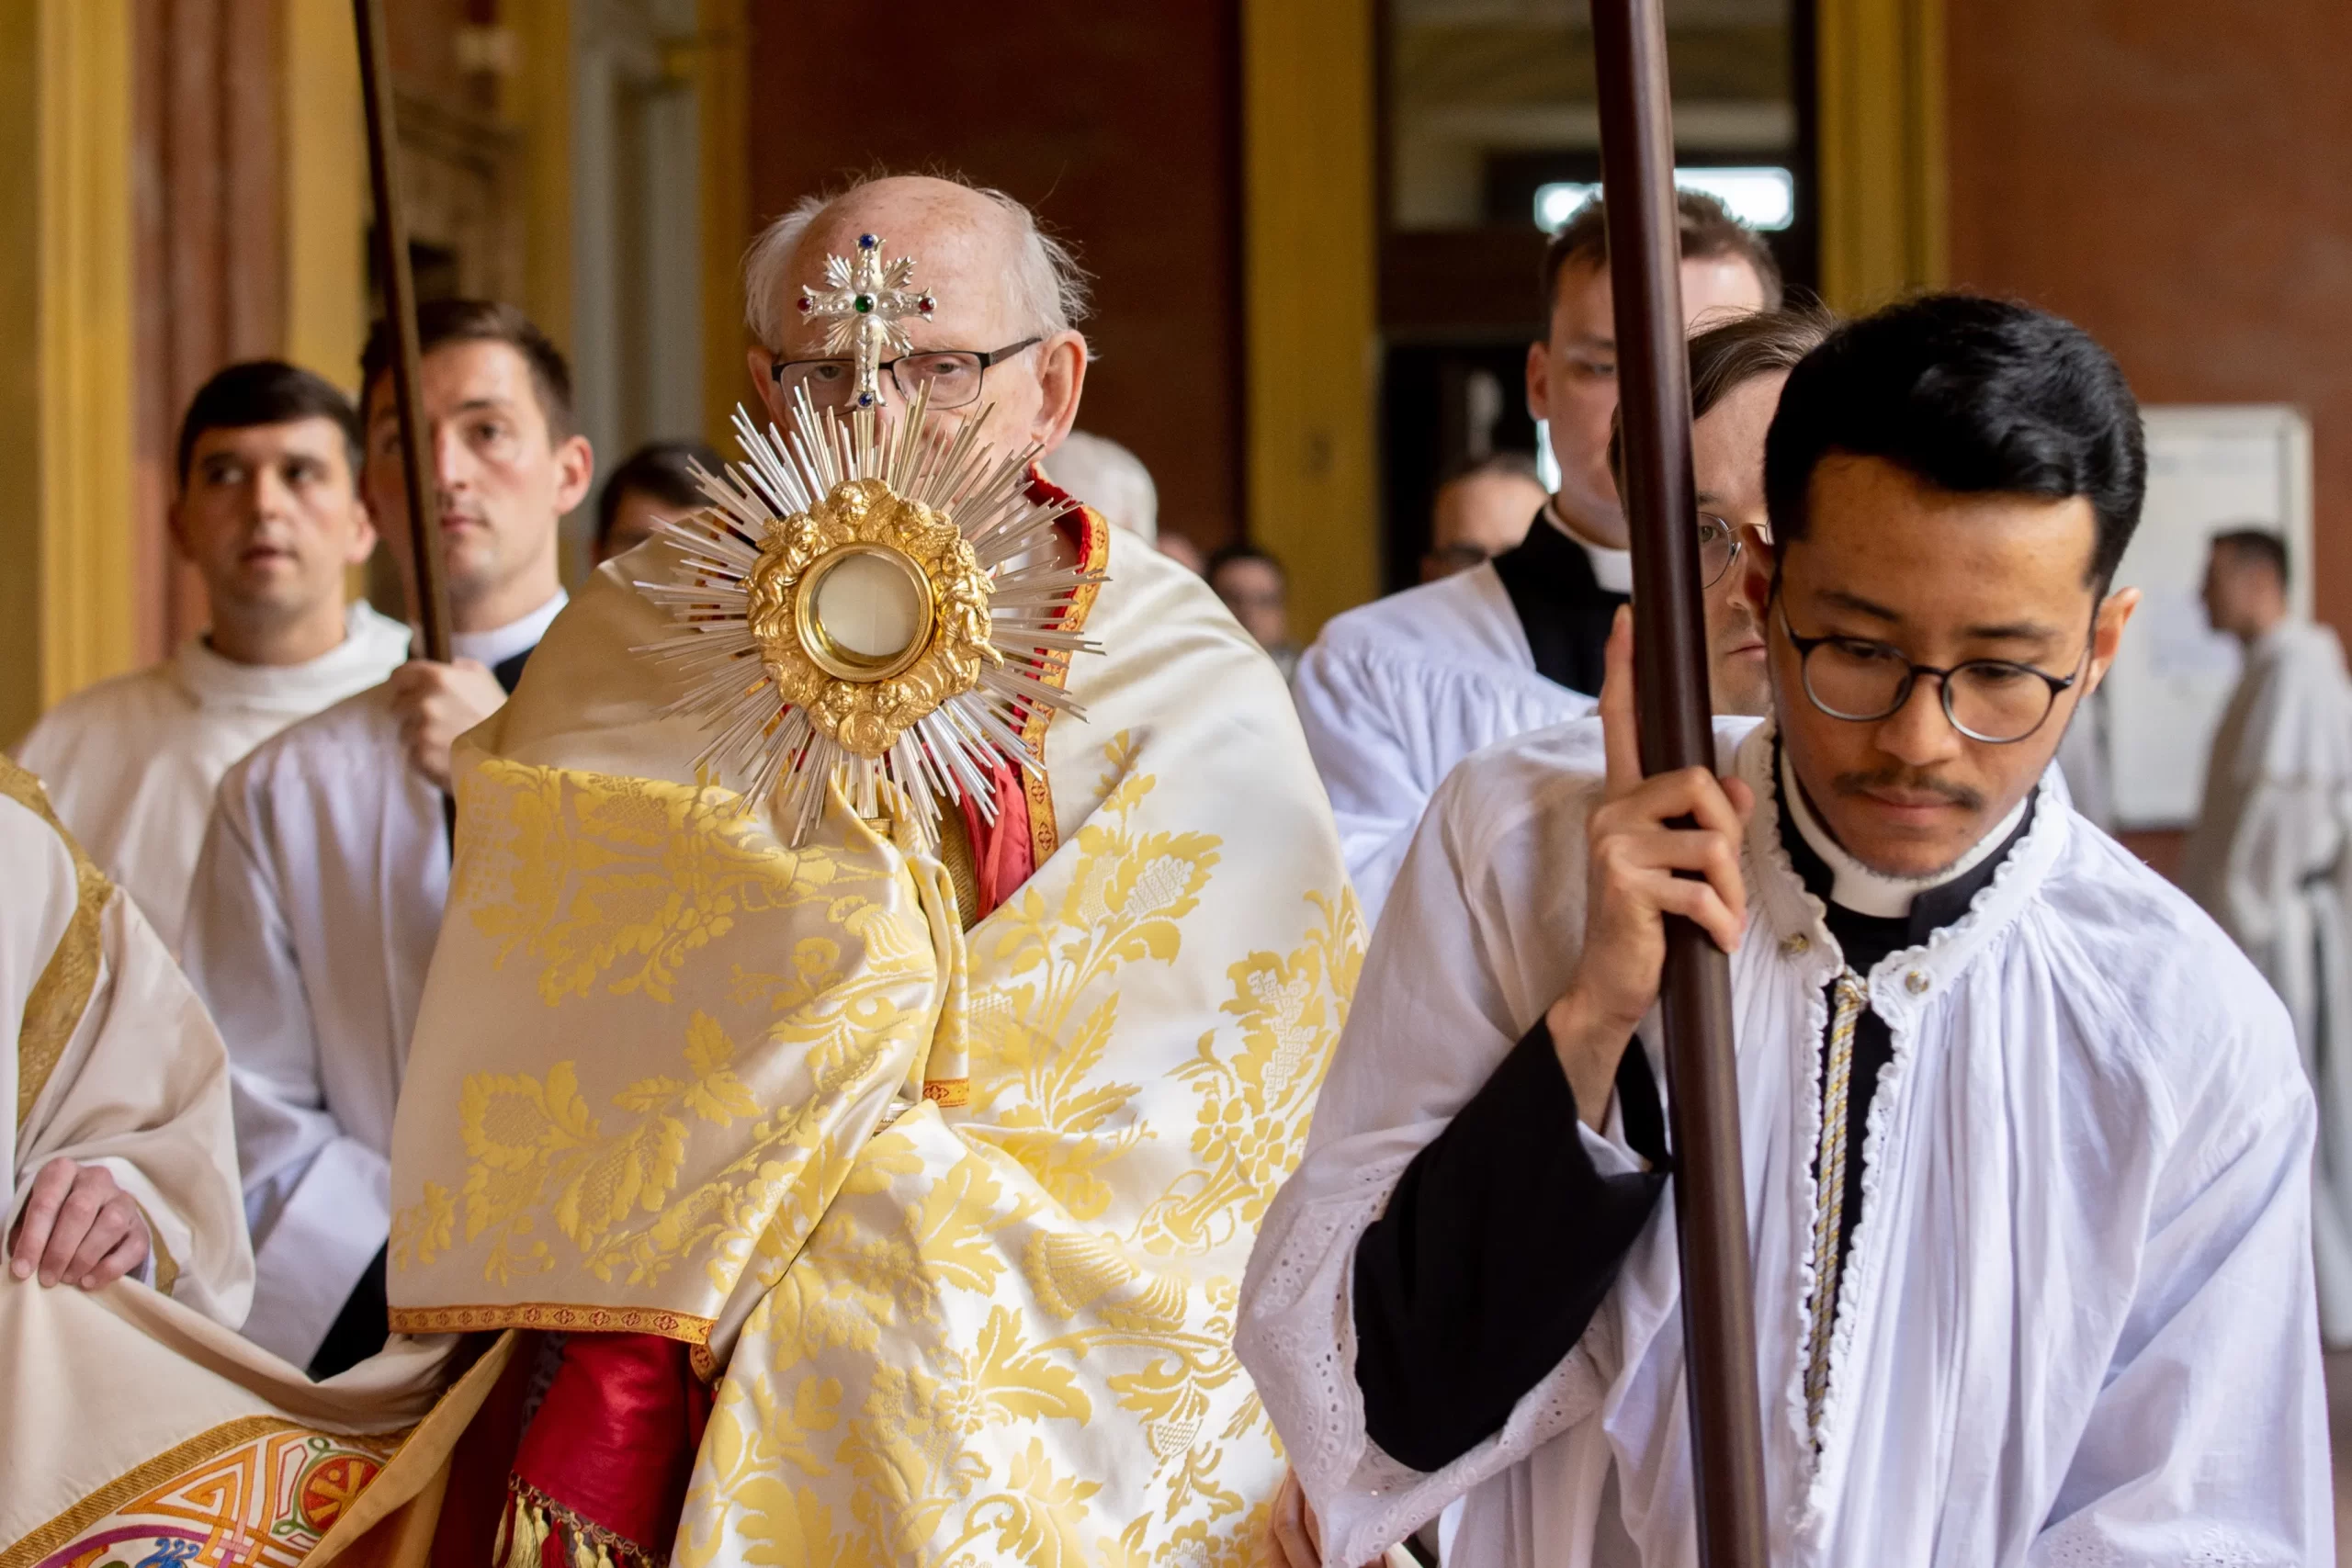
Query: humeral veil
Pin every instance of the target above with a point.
(953, 1213)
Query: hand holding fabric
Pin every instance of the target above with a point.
(78, 1227)
(1667, 845)
(437, 703)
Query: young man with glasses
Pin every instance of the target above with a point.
(1394, 695)
(2027, 1143)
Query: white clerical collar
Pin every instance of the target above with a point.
(500, 644)
(1853, 885)
(1611, 569)
(211, 676)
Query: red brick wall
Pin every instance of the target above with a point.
(1119, 124)
(2176, 176)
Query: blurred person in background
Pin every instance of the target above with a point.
(1256, 589)
(1484, 510)
(269, 513)
(1110, 478)
(1179, 548)
(654, 485)
(2267, 860)
(1391, 702)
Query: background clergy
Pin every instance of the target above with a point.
(2266, 857)
(2027, 1141)
(268, 513)
(1397, 692)
(318, 891)
(928, 1178)
(1737, 370)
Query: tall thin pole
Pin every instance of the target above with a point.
(430, 606)
(1670, 673)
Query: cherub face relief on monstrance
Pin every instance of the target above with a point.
(868, 603)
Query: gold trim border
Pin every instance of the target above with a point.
(47, 1539)
(561, 1316)
(62, 995)
(1044, 834)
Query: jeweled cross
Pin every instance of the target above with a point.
(866, 303)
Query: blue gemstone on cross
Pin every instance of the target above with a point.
(866, 241)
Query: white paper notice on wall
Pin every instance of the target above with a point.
(2211, 468)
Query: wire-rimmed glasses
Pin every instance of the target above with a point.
(952, 376)
(1995, 701)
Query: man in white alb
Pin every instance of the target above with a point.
(1737, 371)
(268, 513)
(1397, 692)
(2266, 857)
(318, 898)
(2027, 1142)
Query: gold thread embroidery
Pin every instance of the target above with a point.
(61, 996)
(1044, 834)
(679, 1325)
(97, 1505)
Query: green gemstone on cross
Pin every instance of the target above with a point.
(863, 304)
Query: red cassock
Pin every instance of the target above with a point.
(600, 1477)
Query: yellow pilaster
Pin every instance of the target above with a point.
(326, 192)
(1883, 199)
(723, 98)
(65, 351)
(538, 102)
(1310, 310)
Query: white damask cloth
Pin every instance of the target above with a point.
(2076, 1325)
(1394, 692)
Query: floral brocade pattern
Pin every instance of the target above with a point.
(683, 1071)
(1010, 1337)
(773, 1000)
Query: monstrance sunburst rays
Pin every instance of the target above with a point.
(872, 600)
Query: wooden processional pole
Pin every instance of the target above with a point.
(1670, 673)
(429, 606)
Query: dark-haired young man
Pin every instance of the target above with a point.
(2268, 856)
(268, 512)
(656, 483)
(1394, 692)
(2027, 1141)
(317, 897)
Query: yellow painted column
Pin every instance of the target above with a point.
(536, 101)
(1883, 196)
(1310, 306)
(67, 606)
(326, 192)
(723, 101)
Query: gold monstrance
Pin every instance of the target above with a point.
(872, 601)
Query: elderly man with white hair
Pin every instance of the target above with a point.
(891, 1158)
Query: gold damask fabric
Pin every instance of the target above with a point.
(675, 1077)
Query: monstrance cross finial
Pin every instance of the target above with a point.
(865, 304)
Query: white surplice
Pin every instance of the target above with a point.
(310, 923)
(2076, 1322)
(2266, 859)
(1397, 692)
(131, 763)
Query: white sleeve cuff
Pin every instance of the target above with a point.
(329, 1231)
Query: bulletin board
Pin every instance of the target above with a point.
(2210, 468)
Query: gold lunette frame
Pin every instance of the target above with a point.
(845, 664)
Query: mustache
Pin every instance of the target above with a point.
(1910, 781)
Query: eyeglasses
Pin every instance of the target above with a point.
(1991, 700)
(952, 376)
(1719, 546)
